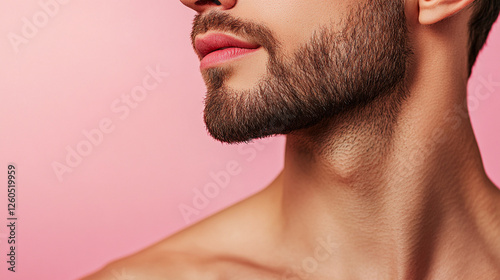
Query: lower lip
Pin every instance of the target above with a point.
(218, 57)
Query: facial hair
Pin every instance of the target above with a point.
(333, 73)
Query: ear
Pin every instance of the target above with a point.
(433, 11)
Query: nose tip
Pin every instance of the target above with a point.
(201, 6)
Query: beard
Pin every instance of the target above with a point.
(334, 73)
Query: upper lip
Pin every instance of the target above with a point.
(216, 41)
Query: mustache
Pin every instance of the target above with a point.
(223, 22)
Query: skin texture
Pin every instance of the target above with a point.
(340, 69)
(392, 188)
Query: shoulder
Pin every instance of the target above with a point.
(152, 266)
(201, 251)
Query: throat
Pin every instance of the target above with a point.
(360, 179)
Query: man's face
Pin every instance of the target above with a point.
(311, 60)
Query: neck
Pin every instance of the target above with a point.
(394, 188)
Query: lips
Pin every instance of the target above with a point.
(216, 48)
(213, 42)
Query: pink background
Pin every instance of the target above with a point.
(125, 194)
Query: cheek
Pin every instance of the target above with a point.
(292, 21)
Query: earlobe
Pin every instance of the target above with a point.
(433, 11)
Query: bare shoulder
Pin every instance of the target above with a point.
(205, 250)
(152, 266)
(184, 266)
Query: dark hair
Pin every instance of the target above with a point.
(485, 13)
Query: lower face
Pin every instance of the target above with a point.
(317, 60)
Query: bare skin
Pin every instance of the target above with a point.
(356, 205)
(440, 222)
